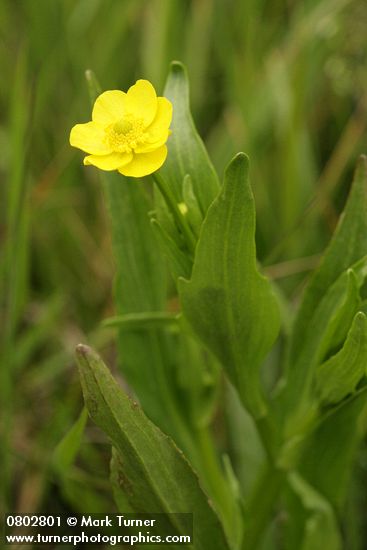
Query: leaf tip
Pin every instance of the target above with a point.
(85, 356)
(239, 162)
(241, 155)
(360, 318)
(361, 167)
(241, 159)
(82, 351)
(89, 74)
(178, 67)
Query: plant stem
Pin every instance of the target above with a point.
(260, 506)
(214, 479)
(180, 219)
(261, 502)
(265, 432)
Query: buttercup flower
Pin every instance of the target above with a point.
(128, 131)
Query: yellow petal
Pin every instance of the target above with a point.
(89, 137)
(158, 132)
(109, 107)
(145, 163)
(141, 101)
(161, 121)
(109, 162)
(147, 147)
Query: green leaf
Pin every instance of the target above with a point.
(140, 286)
(197, 378)
(328, 302)
(194, 214)
(196, 375)
(179, 263)
(320, 529)
(339, 376)
(327, 328)
(67, 449)
(83, 493)
(349, 244)
(329, 453)
(120, 484)
(186, 151)
(156, 477)
(141, 276)
(247, 452)
(228, 303)
(94, 87)
(337, 327)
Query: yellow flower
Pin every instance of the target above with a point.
(128, 131)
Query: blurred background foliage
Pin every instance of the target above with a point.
(283, 80)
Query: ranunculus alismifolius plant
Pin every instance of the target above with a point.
(306, 428)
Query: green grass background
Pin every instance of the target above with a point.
(283, 80)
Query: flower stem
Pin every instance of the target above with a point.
(180, 219)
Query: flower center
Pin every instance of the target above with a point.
(126, 134)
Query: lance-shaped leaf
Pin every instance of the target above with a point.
(339, 376)
(327, 458)
(338, 326)
(186, 151)
(314, 523)
(348, 245)
(140, 286)
(120, 484)
(229, 304)
(327, 329)
(332, 318)
(66, 451)
(194, 215)
(155, 477)
(179, 263)
(148, 354)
